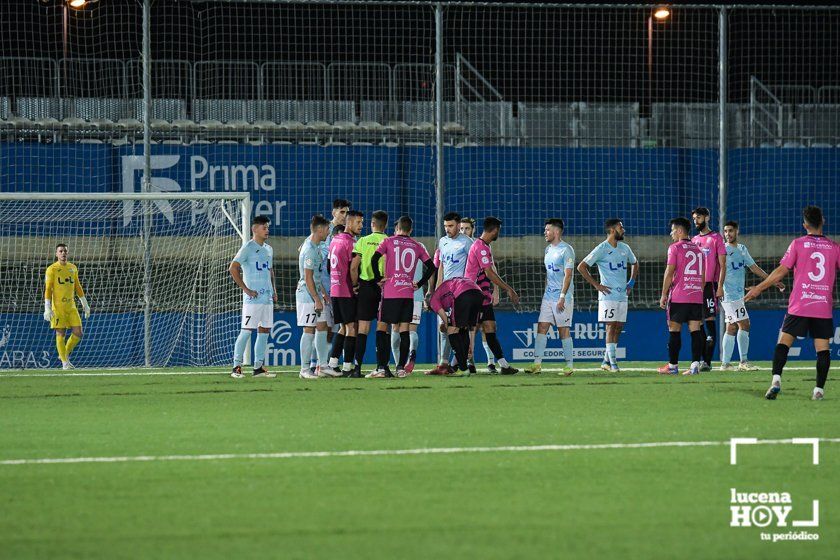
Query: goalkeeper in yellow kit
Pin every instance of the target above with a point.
(62, 283)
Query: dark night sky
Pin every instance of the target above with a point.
(529, 55)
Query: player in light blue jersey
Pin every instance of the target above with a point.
(340, 207)
(613, 258)
(558, 303)
(451, 260)
(738, 260)
(252, 270)
(310, 300)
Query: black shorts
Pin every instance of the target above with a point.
(685, 312)
(466, 309)
(487, 312)
(710, 301)
(344, 310)
(368, 298)
(808, 326)
(396, 310)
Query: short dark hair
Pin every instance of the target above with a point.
(701, 211)
(380, 217)
(405, 223)
(60, 245)
(260, 220)
(681, 223)
(813, 216)
(452, 217)
(318, 220)
(341, 203)
(731, 223)
(354, 213)
(611, 223)
(556, 222)
(337, 229)
(492, 223)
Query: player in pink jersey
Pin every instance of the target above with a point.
(342, 290)
(814, 260)
(713, 246)
(481, 271)
(463, 300)
(682, 297)
(402, 256)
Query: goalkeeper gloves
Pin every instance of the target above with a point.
(48, 312)
(85, 307)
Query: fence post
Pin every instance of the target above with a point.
(439, 183)
(722, 122)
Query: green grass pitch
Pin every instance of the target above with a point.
(564, 502)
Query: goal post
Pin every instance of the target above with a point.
(153, 267)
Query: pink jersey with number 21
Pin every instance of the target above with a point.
(687, 259)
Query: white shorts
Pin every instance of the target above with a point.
(417, 313)
(257, 315)
(550, 314)
(306, 315)
(734, 311)
(327, 315)
(612, 311)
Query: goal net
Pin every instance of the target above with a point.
(154, 269)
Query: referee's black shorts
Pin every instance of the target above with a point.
(367, 300)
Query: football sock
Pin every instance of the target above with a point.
(606, 359)
(322, 348)
(307, 343)
(395, 344)
(611, 352)
(743, 344)
(823, 363)
(711, 341)
(539, 347)
(779, 359)
(349, 351)
(674, 346)
(727, 346)
(405, 344)
(460, 350)
(495, 347)
(503, 362)
(259, 349)
(569, 351)
(445, 346)
(61, 346)
(361, 346)
(414, 340)
(242, 342)
(487, 351)
(71, 343)
(337, 348)
(697, 346)
(381, 349)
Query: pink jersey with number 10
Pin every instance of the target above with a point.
(402, 257)
(814, 260)
(687, 259)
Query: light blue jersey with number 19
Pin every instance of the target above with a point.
(738, 260)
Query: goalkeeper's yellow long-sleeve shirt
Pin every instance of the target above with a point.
(61, 282)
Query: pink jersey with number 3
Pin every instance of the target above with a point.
(402, 257)
(687, 259)
(814, 260)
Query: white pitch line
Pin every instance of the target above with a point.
(142, 373)
(384, 452)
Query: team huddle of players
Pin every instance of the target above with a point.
(348, 280)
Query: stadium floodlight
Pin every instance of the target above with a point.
(661, 13)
